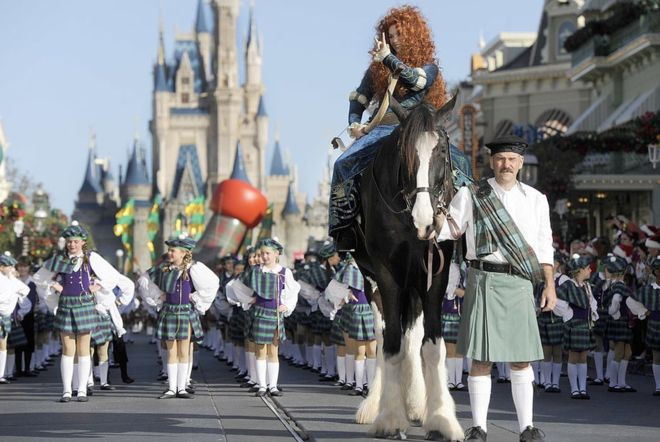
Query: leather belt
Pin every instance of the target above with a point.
(492, 267)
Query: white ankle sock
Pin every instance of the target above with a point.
(261, 366)
(172, 376)
(66, 369)
(350, 369)
(273, 369)
(656, 375)
(582, 376)
(479, 387)
(359, 374)
(341, 368)
(556, 372)
(623, 367)
(371, 371)
(181, 376)
(103, 372)
(598, 362)
(522, 391)
(84, 367)
(573, 377)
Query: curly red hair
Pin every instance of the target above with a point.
(415, 48)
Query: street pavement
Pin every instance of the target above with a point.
(221, 411)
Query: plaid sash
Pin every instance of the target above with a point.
(495, 230)
(351, 276)
(165, 277)
(61, 263)
(316, 276)
(648, 296)
(265, 284)
(573, 294)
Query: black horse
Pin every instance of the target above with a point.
(404, 193)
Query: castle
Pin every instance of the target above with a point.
(201, 114)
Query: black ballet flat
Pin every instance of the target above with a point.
(66, 398)
(107, 387)
(83, 399)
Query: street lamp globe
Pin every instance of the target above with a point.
(40, 220)
(530, 171)
(119, 253)
(18, 227)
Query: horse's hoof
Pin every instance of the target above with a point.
(415, 423)
(435, 435)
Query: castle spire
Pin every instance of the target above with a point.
(238, 172)
(90, 182)
(253, 36)
(136, 173)
(261, 110)
(291, 206)
(160, 77)
(201, 24)
(277, 167)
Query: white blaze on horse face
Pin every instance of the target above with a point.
(422, 211)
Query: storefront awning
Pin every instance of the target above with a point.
(592, 117)
(648, 101)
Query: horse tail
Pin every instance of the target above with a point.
(368, 410)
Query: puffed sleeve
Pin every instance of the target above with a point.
(359, 99)
(636, 307)
(290, 292)
(615, 306)
(127, 290)
(206, 286)
(563, 309)
(43, 280)
(149, 292)
(460, 209)
(453, 280)
(413, 78)
(545, 251)
(24, 303)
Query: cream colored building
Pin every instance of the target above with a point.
(5, 186)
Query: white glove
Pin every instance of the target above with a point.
(355, 130)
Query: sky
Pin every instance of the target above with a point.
(71, 66)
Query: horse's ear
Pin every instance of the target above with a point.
(398, 110)
(443, 114)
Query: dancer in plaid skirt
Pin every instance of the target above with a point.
(578, 309)
(72, 283)
(182, 290)
(618, 332)
(13, 295)
(648, 298)
(274, 295)
(451, 317)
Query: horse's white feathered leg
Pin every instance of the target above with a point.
(412, 380)
(440, 409)
(368, 410)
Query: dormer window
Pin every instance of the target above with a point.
(185, 98)
(566, 29)
(185, 81)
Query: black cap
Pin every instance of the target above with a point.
(507, 143)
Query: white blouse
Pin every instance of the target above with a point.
(13, 291)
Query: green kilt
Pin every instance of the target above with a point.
(103, 331)
(303, 319)
(237, 324)
(16, 337)
(76, 314)
(173, 321)
(40, 322)
(578, 336)
(358, 321)
(450, 322)
(320, 324)
(498, 321)
(5, 326)
(618, 330)
(551, 328)
(336, 332)
(653, 334)
(265, 325)
(600, 327)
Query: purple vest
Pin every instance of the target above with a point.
(360, 295)
(275, 302)
(75, 283)
(451, 306)
(655, 315)
(182, 290)
(580, 313)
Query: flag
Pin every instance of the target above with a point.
(124, 229)
(266, 224)
(195, 214)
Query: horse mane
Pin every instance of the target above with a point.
(420, 119)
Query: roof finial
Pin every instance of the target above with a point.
(161, 43)
(482, 42)
(92, 138)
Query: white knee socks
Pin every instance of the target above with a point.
(535, 370)
(103, 372)
(84, 367)
(182, 376)
(172, 374)
(451, 371)
(582, 376)
(261, 366)
(479, 387)
(522, 391)
(598, 362)
(556, 373)
(66, 369)
(623, 367)
(341, 368)
(350, 369)
(11, 361)
(546, 368)
(316, 357)
(656, 375)
(573, 377)
(614, 373)
(331, 360)
(359, 374)
(609, 372)
(3, 363)
(273, 373)
(458, 371)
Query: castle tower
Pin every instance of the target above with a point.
(294, 234)
(238, 172)
(204, 40)
(253, 60)
(137, 186)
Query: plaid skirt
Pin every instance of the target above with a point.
(237, 324)
(358, 322)
(303, 319)
(450, 322)
(578, 336)
(173, 321)
(618, 331)
(17, 337)
(40, 322)
(653, 334)
(265, 325)
(76, 314)
(336, 332)
(5, 326)
(320, 324)
(103, 331)
(249, 318)
(551, 328)
(600, 327)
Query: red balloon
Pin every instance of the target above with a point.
(240, 200)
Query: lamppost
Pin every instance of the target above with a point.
(654, 154)
(529, 173)
(40, 220)
(120, 260)
(19, 224)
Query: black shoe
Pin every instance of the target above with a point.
(596, 382)
(29, 374)
(628, 389)
(260, 393)
(274, 392)
(253, 389)
(90, 391)
(167, 394)
(74, 393)
(161, 377)
(107, 387)
(656, 393)
(532, 434)
(355, 392)
(65, 398)
(325, 378)
(184, 395)
(190, 390)
(339, 384)
(475, 434)
(576, 395)
(127, 380)
(82, 398)
(584, 395)
(4, 381)
(347, 387)
(247, 384)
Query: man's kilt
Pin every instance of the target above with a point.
(76, 314)
(173, 321)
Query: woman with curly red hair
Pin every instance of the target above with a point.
(404, 46)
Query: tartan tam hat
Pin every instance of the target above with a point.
(615, 264)
(6, 260)
(507, 143)
(271, 244)
(327, 250)
(181, 243)
(75, 230)
(578, 262)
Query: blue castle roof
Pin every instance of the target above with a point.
(201, 24)
(261, 110)
(277, 167)
(136, 173)
(91, 182)
(238, 172)
(290, 207)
